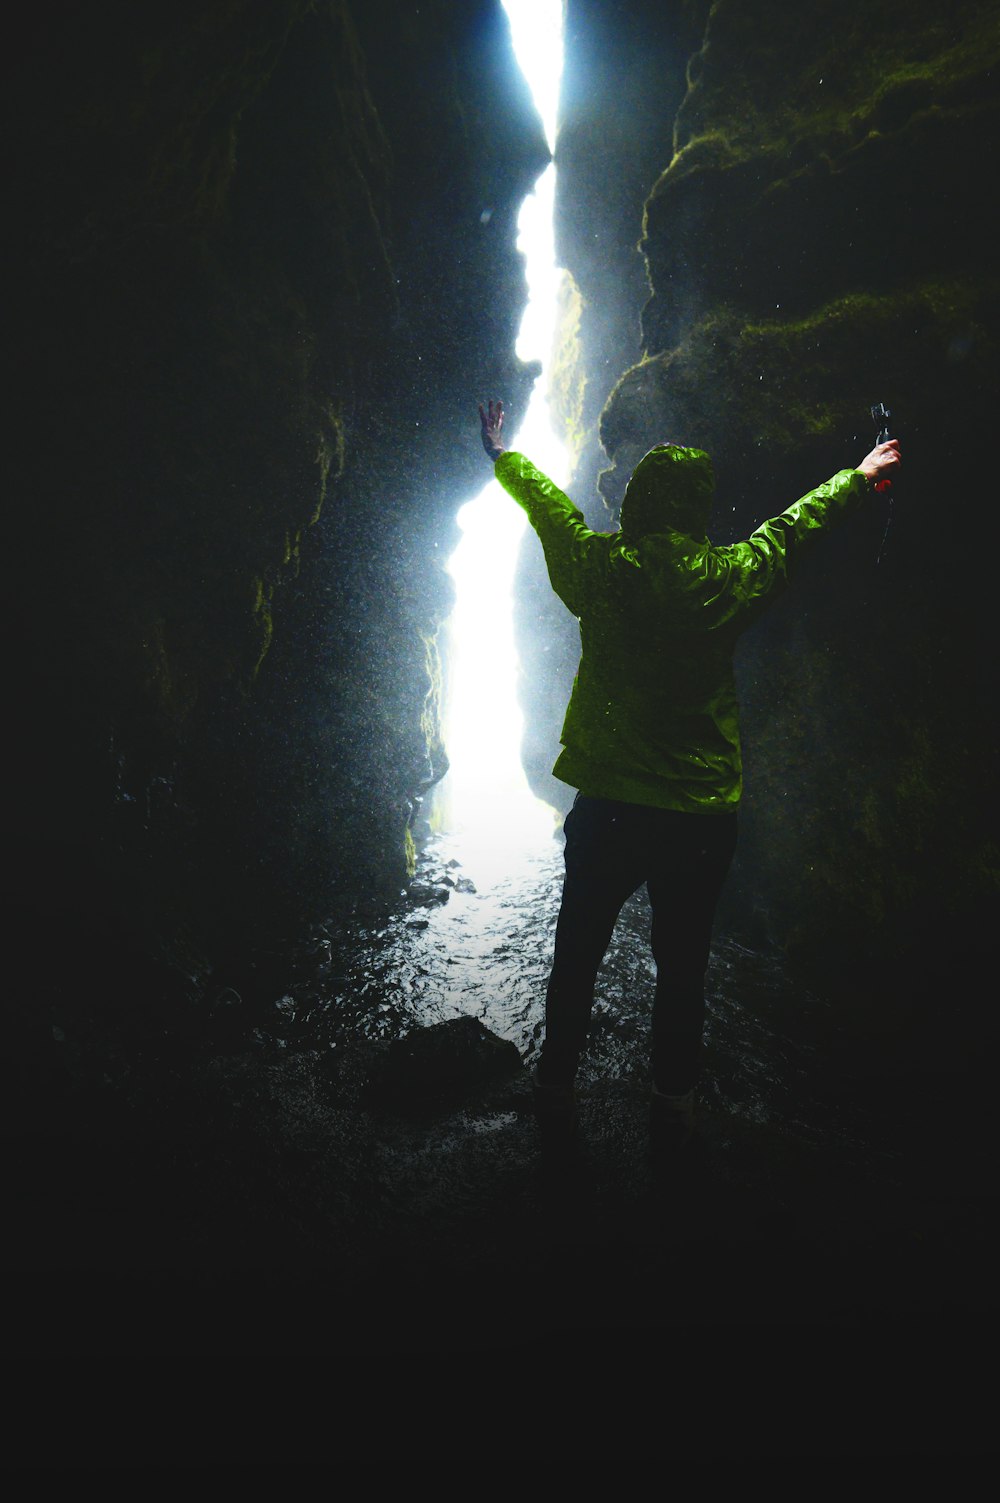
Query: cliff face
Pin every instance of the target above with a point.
(813, 241)
(251, 329)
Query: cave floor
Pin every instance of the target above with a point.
(263, 1196)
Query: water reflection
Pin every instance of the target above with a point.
(459, 948)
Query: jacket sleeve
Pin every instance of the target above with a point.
(567, 541)
(751, 573)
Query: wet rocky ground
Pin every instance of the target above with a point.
(349, 1173)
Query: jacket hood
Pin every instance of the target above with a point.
(671, 488)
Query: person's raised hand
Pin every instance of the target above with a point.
(491, 421)
(883, 461)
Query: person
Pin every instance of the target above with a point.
(651, 734)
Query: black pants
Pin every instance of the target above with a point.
(612, 848)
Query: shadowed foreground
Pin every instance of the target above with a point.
(364, 1183)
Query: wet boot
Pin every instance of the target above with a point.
(555, 1110)
(671, 1121)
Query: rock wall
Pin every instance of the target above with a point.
(250, 250)
(814, 240)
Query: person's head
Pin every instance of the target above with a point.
(671, 488)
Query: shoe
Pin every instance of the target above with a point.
(554, 1106)
(671, 1118)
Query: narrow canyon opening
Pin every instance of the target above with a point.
(483, 810)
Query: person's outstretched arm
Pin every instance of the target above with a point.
(822, 508)
(561, 528)
(745, 576)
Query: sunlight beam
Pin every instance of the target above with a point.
(485, 799)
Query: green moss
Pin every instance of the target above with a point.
(826, 77)
(779, 383)
(430, 717)
(171, 692)
(263, 623)
(567, 374)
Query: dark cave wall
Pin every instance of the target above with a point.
(814, 241)
(250, 246)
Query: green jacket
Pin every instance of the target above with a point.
(653, 718)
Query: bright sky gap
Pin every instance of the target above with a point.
(484, 802)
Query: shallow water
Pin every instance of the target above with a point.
(463, 946)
